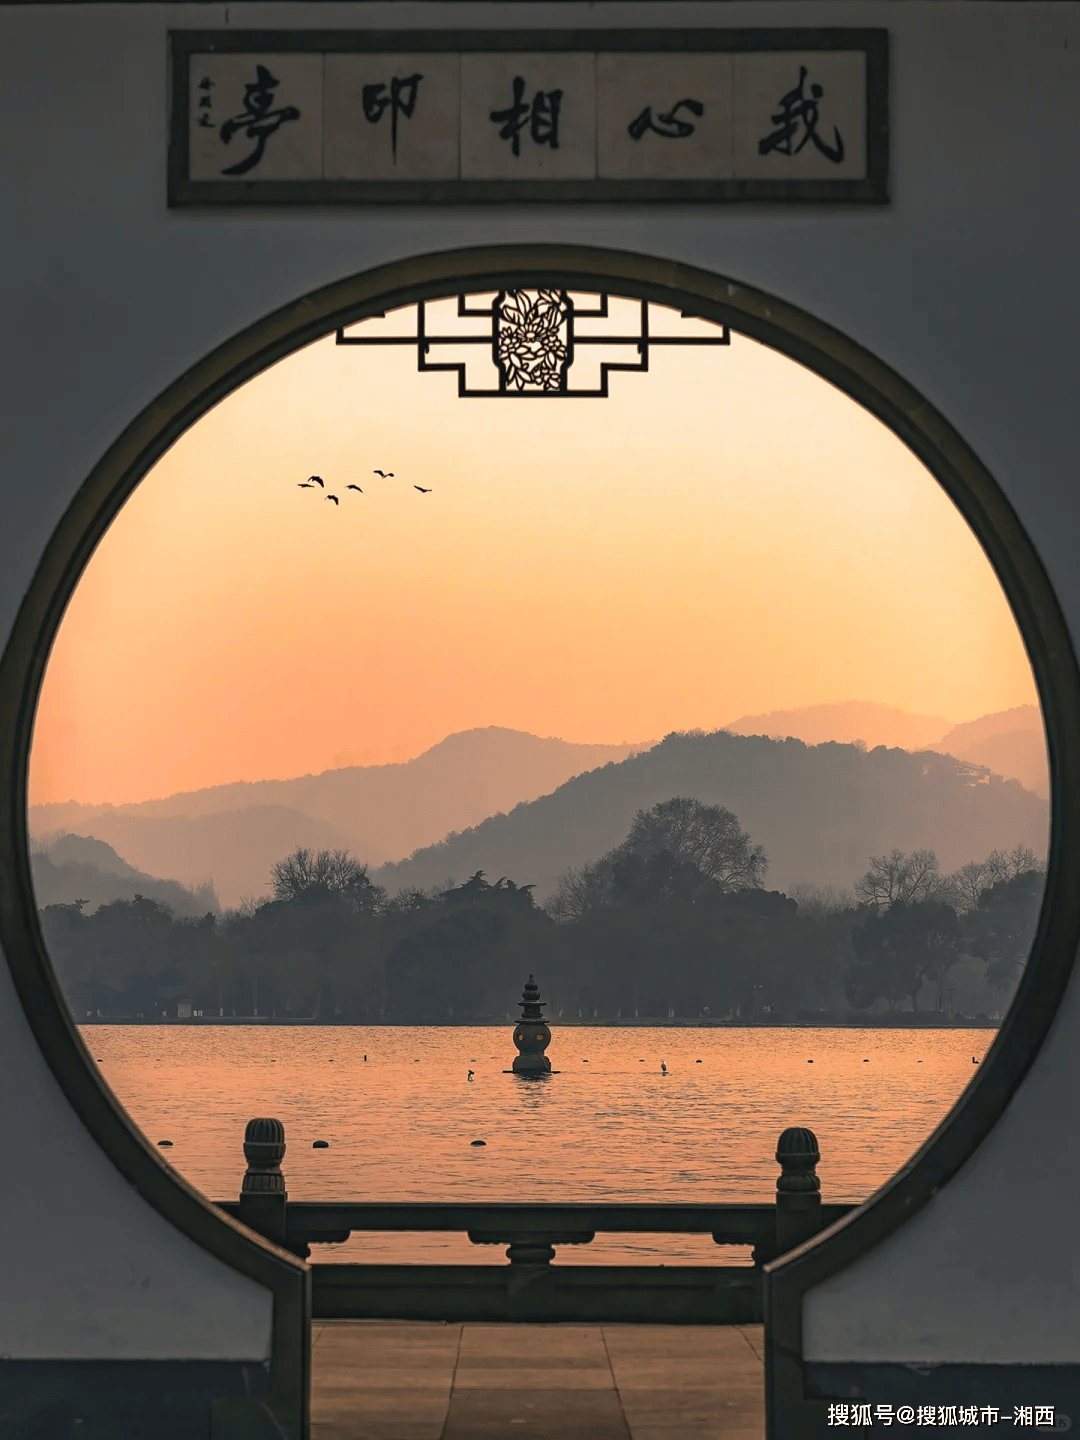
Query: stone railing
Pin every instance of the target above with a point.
(530, 1287)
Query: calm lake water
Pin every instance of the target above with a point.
(610, 1126)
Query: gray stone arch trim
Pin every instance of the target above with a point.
(774, 322)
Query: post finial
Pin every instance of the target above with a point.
(264, 1150)
(797, 1154)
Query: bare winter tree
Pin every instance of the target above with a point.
(905, 879)
(306, 872)
(579, 891)
(411, 899)
(1003, 865)
(969, 882)
(820, 902)
(707, 836)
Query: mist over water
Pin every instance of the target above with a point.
(608, 1127)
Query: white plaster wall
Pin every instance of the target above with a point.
(966, 284)
(989, 1272)
(93, 1272)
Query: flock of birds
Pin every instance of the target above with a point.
(316, 480)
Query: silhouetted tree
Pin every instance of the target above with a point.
(580, 890)
(971, 880)
(1000, 930)
(902, 879)
(900, 949)
(968, 884)
(706, 836)
(311, 875)
(644, 929)
(820, 902)
(703, 845)
(461, 957)
(504, 894)
(649, 880)
(411, 900)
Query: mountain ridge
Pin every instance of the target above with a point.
(1010, 742)
(78, 867)
(820, 811)
(378, 812)
(386, 814)
(845, 722)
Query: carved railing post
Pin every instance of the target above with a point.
(798, 1189)
(263, 1198)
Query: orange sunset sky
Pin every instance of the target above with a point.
(727, 534)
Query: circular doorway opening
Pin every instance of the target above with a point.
(763, 329)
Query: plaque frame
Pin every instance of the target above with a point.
(872, 189)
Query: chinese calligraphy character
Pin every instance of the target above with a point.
(257, 120)
(797, 109)
(667, 122)
(206, 103)
(542, 117)
(400, 101)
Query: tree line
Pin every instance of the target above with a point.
(675, 921)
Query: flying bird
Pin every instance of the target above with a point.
(315, 480)
(305, 485)
(353, 487)
(334, 499)
(386, 474)
(421, 489)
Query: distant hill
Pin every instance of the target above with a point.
(78, 867)
(820, 811)
(235, 832)
(1011, 742)
(234, 849)
(846, 722)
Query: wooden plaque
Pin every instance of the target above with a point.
(452, 117)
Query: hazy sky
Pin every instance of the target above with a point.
(726, 534)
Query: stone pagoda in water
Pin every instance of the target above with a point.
(531, 1034)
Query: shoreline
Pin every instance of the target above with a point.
(907, 1021)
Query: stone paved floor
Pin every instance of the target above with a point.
(374, 1380)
